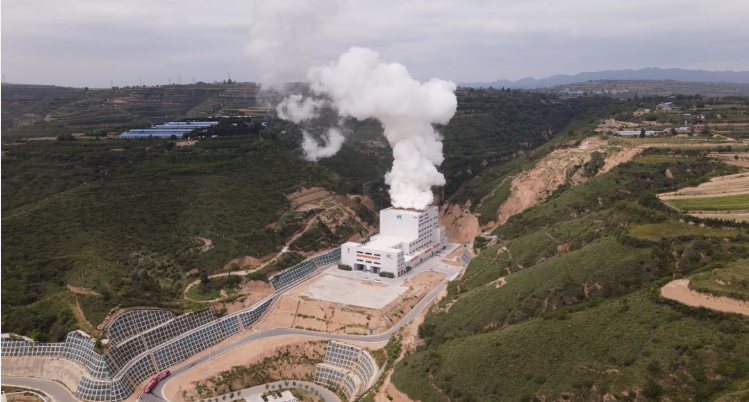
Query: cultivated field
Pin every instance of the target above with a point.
(725, 197)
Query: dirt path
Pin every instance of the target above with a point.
(80, 317)
(207, 244)
(679, 290)
(82, 291)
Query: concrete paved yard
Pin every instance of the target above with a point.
(338, 289)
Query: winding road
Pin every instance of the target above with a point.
(435, 263)
(54, 390)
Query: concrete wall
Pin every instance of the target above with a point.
(49, 368)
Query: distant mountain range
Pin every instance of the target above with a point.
(655, 73)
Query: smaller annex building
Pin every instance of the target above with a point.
(407, 237)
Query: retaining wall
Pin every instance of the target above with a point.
(117, 374)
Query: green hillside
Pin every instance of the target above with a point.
(566, 305)
(57, 111)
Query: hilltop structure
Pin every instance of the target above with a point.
(407, 237)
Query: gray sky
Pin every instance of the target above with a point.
(89, 42)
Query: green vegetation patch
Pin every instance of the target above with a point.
(658, 231)
(732, 281)
(633, 346)
(724, 203)
(490, 205)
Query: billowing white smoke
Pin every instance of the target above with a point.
(362, 86)
(333, 142)
(358, 85)
(277, 34)
(296, 108)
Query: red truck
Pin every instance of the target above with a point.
(162, 375)
(151, 384)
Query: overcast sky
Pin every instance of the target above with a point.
(89, 43)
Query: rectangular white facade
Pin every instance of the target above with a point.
(407, 238)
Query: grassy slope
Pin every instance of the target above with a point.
(724, 203)
(621, 346)
(734, 281)
(564, 318)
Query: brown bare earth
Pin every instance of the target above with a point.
(679, 290)
(22, 398)
(743, 158)
(718, 186)
(82, 291)
(460, 224)
(534, 186)
(207, 244)
(249, 353)
(252, 291)
(185, 143)
(294, 310)
(248, 261)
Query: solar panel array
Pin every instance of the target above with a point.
(134, 322)
(351, 360)
(465, 258)
(298, 272)
(119, 356)
(145, 343)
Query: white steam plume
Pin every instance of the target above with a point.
(296, 108)
(333, 141)
(362, 86)
(279, 28)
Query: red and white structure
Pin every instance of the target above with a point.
(153, 381)
(407, 237)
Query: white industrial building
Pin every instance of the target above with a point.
(407, 237)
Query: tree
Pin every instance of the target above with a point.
(204, 278)
(673, 131)
(642, 133)
(224, 397)
(706, 130)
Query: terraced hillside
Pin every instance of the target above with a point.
(29, 114)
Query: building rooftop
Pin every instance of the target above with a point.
(408, 211)
(382, 241)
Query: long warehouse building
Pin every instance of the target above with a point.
(407, 237)
(176, 128)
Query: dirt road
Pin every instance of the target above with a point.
(679, 290)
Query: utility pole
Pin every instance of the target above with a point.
(229, 75)
(179, 78)
(111, 83)
(170, 80)
(140, 80)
